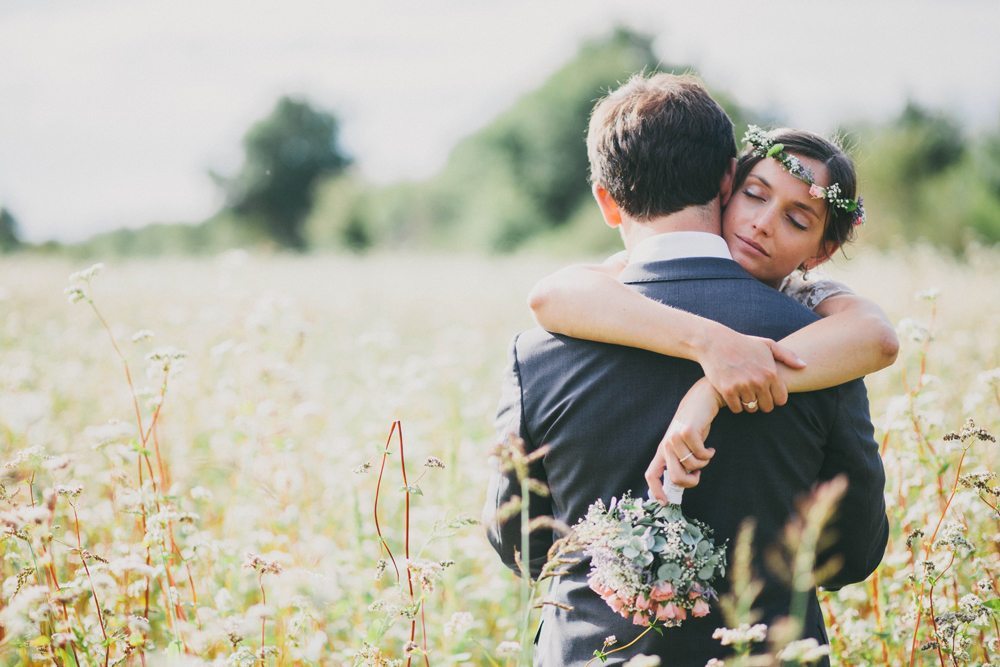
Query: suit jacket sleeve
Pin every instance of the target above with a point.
(858, 533)
(504, 532)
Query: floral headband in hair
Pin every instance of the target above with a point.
(764, 146)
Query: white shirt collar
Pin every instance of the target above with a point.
(677, 245)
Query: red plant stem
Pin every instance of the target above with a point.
(128, 373)
(834, 624)
(50, 572)
(406, 533)
(954, 489)
(878, 616)
(93, 590)
(144, 434)
(933, 615)
(263, 598)
(378, 488)
(927, 549)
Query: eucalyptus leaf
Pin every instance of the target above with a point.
(669, 572)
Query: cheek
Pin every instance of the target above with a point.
(731, 215)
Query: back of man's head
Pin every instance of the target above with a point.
(659, 144)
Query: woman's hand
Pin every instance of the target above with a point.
(682, 451)
(743, 369)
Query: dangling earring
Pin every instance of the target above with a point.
(804, 270)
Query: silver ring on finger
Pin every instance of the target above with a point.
(750, 405)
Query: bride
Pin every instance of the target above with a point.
(793, 205)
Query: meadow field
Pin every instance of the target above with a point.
(191, 452)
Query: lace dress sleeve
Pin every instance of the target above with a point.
(812, 289)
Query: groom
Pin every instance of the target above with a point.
(662, 155)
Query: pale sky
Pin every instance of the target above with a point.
(113, 112)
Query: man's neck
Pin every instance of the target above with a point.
(705, 219)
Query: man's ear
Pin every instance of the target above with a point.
(726, 184)
(826, 250)
(609, 207)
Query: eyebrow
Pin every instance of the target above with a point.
(798, 204)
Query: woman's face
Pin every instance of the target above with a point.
(772, 224)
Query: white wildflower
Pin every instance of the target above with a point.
(87, 274)
(71, 490)
(929, 294)
(459, 622)
(508, 649)
(804, 651)
(741, 635)
(261, 564)
(74, 294)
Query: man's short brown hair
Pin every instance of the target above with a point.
(659, 144)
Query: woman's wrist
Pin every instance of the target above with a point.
(704, 340)
(704, 387)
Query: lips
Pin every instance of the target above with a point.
(755, 246)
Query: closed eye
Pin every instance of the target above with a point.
(753, 195)
(797, 224)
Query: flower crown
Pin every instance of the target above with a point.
(764, 146)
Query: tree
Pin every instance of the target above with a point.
(9, 240)
(286, 154)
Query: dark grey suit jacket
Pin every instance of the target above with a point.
(603, 409)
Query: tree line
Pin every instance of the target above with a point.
(521, 181)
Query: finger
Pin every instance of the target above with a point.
(654, 477)
(691, 463)
(764, 401)
(749, 403)
(779, 392)
(732, 399)
(785, 355)
(683, 440)
(678, 475)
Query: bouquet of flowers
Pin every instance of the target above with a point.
(649, 562)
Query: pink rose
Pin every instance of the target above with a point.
(640, 619)
(662, 591)
(700, 609)
(641, 602)
(616, 602)
(670, 611)
(816, 191)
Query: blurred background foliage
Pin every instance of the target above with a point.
(520, 182)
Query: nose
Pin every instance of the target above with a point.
(765, 220)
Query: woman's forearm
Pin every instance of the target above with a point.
(853, 339)
(590, 303)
